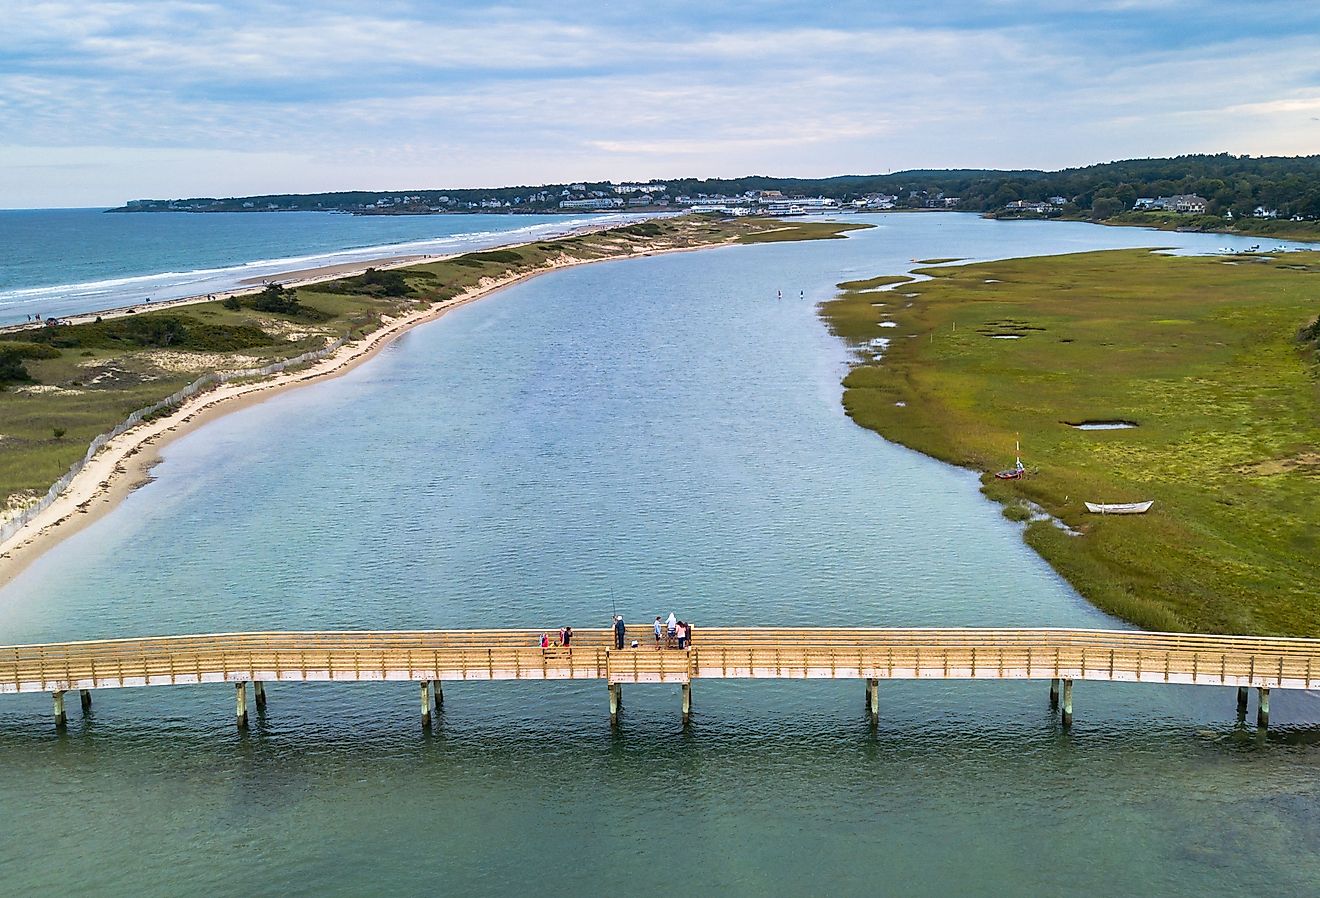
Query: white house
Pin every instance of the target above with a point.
(601, 203)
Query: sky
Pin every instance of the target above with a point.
(102, 102)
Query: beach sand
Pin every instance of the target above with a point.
(302, 277)
(125, 463)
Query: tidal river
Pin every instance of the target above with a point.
(650, 435)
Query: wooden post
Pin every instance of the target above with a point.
(438, 694)
(1263, 708)
(1242, 702)
(259, 693)
(616, 701)
(1054, 694)
(426, 703)
(85, 697)
(873, 699)
(687, 702)
(1067, 704)
(240, 706)
(61, 721)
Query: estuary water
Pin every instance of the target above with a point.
(648, 435)
(63, 261)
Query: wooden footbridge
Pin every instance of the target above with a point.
(431, 657)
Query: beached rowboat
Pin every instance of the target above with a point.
(1119, 508)
(1017, 471)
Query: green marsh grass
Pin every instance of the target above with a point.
(1204, 356)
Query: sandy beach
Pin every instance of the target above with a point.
(126, 462)
(301, 277)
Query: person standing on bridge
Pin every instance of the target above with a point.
(659, 631)
(620, 631)
(568, 639)
(671, 626)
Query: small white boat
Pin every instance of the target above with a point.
(1119, 508)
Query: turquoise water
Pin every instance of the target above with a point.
(654, 434)
(61, 261)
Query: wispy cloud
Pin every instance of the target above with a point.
(409, 93)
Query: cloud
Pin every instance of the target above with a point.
(499, 93)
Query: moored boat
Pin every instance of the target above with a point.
(1119, 507)
(1016, 472)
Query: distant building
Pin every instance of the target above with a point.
(722, 208)
(1262, 212)
(1037, 207)
(625, 189)
(600, 203)
(799, 205)
(1187, 203)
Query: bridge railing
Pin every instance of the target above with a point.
(717, 652)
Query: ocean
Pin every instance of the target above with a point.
(57, 262)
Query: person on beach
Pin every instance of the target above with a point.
(620, 631)
(671, 627)
(659, 631)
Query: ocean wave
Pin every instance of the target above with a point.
(70, 298)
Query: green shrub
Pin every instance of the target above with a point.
(157, 330)
(277, 300)
(494, 256)
(12, 370)
(25, 350)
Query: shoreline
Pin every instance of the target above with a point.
(301, 277)
(125, 463)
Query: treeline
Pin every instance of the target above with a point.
(1289, 185)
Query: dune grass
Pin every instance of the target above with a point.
(802, 230)
(84, 379)
(1204, 354)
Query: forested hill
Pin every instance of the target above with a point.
(1288, 184)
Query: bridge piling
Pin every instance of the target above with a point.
(687, 703)
(57, 698)
(426, 703)
(1263, 708)
(869, 654)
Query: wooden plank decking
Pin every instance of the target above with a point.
(794, 653)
